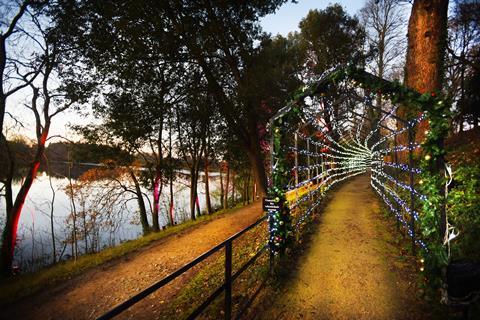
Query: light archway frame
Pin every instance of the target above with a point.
(351, 122)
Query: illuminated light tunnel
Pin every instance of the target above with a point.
(333, 131)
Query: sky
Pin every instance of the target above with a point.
(287, 18)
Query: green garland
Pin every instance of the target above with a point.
(280, 221)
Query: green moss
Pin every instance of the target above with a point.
(17, 287)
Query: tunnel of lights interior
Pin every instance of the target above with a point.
(349, 123)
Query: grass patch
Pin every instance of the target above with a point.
(20, 286)
(210, 276)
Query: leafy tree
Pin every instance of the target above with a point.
(135, 112)
(218, 37)
(330, 37)
(225, 54)
(464, 205)
(22, 152)
(122, 161)
(96, 153)
(193, 117)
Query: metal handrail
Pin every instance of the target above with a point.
(226, 285)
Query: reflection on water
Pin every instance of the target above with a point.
(106, 226)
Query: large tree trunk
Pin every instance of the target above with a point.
(427, 37)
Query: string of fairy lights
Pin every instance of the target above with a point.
(327, 153)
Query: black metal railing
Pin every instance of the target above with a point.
(225, 287)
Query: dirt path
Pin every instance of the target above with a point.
(349, 271)
(95, 292)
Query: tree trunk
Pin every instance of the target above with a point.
(254, 190)
(141, 204)
(247, 191)
(233, 188)
(172, 173)
(244, 194)
(52, 202)
(197, 176)
(157, 190)
(258, 168)
(74, 212)
(9, 236)
(157, 184)
(197, 202)
(427, 37)
(193, 193)
(8, 158)
(207, 186)
(225, 200)
(85, 231)
(172, 220)
(221, 187)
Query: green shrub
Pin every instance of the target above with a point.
(463, 208)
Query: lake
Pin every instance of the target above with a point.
(107, 225)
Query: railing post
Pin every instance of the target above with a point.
(395, 158)
(322, 159)
(296, 166)
(308, 170)
(228, 280)
(412, 196)
(316, 164)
